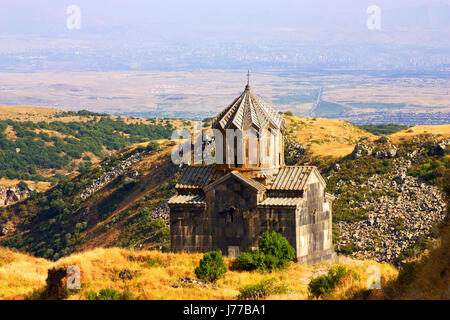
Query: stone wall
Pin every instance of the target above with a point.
(190, 231)
(231, 221)
(314, 227)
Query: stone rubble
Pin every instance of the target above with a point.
(113, 173)
(183, 282)
(11, 195)
(442, 148)
(161, 212)
(127, 274)
(361, 149)
(394, 223)
(295, 151)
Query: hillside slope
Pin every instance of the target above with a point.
(429, 276)
(324, 137)
(119, 202)
(389, 199)
(443, 131)
(68, 142)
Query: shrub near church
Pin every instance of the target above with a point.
(274, 253)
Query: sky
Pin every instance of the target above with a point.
(225, 18)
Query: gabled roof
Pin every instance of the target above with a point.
(255, 185)
(195, 177)
(294, 177)
(280, 202)
(190, 199)
(248, 111)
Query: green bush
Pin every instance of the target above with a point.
(109, 294)
(212, 267)
(154, 263)
(348, 249)
(22, 185)
(251, 260)
(325, 284)
(275, 245)
(407, 274)
(261, 290)
(274, 253)
(383, 129)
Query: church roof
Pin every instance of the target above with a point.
(280, 202)
(195, 177)
(248, 111)
(191, 199)
(292, 178)
(250, 182)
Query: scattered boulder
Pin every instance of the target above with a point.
(4, 230)
(11, 195)
(400, 209)
(127, 274)
(361, 149)
(388, 152)
(134, 174)
(295, 152)
(183, 282)
(56, 284)
(442, 148)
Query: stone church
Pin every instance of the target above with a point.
(227, 206)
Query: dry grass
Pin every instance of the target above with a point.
(408, 134)
(26, 113)
(325, 137)
(38, 114)
(35, 185)
(20, 273)
(100, 269)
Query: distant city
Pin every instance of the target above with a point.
(152, 60)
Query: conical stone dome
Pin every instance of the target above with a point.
(248, 111)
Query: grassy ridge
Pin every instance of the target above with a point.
(67, 146)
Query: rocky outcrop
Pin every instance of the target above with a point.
(361, 149)
(187, 282)
(113, 173)
(56, 284)
(161, 212)
(387, 152)
(441, 148)
(11, 195)
(295, 152)
(395, 220)
(4, 230)
(128, 274)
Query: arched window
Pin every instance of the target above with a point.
(247, 151)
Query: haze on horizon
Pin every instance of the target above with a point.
(412, 22)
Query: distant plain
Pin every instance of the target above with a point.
(202, 93)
